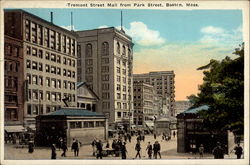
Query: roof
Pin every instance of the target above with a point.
(79, 84)
(196, 110)
(74, 112)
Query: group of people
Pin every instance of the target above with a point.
(155, 149)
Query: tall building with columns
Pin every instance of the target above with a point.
(105, 63)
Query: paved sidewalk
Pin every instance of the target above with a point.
(168, 151)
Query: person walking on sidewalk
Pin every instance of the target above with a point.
(201, 151)
(150, 150)
(31, 147)
(75, 147)
(218, 151)
(124, 151)
(238, 151)
(138, 149)
(157, 150)
(53, 151)
(93, 144)
(99, 149)
(64, 148)
(174, 134)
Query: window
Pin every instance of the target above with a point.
(89, 70)
(47, 68)
(28, 64)
(73, 63)
(29, 109)
(69, 62)
(34, 52)
(58, 59)
(123, 50)
(48, 82)
(59, 97)
(53, 57)
(47, 55)
(118, 87)
(59, 71)
(53, 97)
(64, 61)
(89, 78)
(105, 49)
(53, 69)
(119, 105)
(41, 95)
(105, 77)
(124, 71)
(34, 80)
(29, 78)
(105, 86)
(73, 74)
(59, 84)
(119, 114)
(118, 96)
(124, 96)
(69, 73)
(118, 48)
(48, 96)
(28, 50)
(64, 72)
(124, 79)
(34, 65)
(105, 105)
(105, 69)
(88, 50)
(89, 62)
(53, 83)
(105, 95)
(124, 88)
(105, 60)
(41, 80)
(65, 84)
(35, 95)
(118, 70)
(124, 63)
(118, 78)
(40, 66)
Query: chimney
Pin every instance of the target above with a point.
(51, 17)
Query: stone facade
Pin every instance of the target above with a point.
(105, 62)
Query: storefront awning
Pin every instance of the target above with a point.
(14, 128)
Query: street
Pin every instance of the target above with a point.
(168, 151)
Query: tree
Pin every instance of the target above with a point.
(223, 91)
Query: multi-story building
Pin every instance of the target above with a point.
(105, 62)
(13, 66)
(143, 103)
(163, 82)
(49, 64)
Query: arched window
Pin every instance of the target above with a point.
(105, 49)
(123, 50)
(88, 50)
(118, 48)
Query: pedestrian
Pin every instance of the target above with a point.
(138, 149)
(174, 134)
(123, 151)
(99, 149)
(218, 151)
(238, 151)
(14, 138)
(163, 136)
(150, 150)
(154, 135)
(129, 138)
(31, 147)
(53, 151)
(157, 149)
(107, 145)
(201, 151)
(64, 148)
(75, 147)
(143, 137)
(93, 144)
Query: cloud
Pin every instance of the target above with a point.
(143, 35)
(212, 30)
(68, 27)
(217, 35)
(102, 26)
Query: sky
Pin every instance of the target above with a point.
(165, 40)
